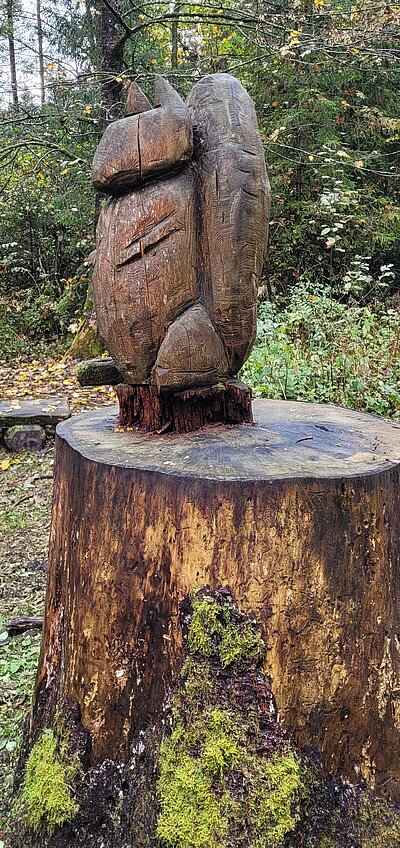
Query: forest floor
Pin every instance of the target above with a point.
(25, 506)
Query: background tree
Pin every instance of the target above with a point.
(11, 53)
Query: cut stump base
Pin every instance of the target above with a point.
(142, 408)
(298, 514)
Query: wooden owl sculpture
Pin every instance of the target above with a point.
(181, 242)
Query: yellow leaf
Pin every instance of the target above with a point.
(5, 464)
(275, 103)
(65, 171)
(359, 163)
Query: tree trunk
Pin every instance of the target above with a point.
(112, 53)
(11, 53)
(174, 38)
(40, 51)
(298, 515)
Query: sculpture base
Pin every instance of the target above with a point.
(142, 408)
(298, 515)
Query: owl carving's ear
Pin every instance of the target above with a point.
(136, 101)
(146, 142)
(165, 94)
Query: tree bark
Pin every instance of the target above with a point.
(174, 38)
(40, 51)
(143, 408)
(298, 515)
(112, 53)
(11, 53)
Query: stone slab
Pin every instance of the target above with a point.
(46, 410)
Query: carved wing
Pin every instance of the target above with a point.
(235, 201)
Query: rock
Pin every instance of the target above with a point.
(45, 410)
(25, 437)
(98, 372)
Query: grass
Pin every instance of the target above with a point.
(25, 499)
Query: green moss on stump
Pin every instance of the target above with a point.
(201, 765)
(216, 786)
(47, 799)
(380, 823)
(213, 629)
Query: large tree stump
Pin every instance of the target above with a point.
(298, 515)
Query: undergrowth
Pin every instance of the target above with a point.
(322, 350)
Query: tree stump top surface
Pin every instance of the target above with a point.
(287, 440)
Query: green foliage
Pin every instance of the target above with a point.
(18, 664)
(46, 221)
(318, 349)
(46, 799)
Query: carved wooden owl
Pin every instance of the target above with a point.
(181, 242)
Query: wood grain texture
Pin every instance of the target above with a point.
(144, 145)
(145, 272)
(235, 200)
(143, 408)
(185, 315)
(136, 101)
(192, 353)
(299, 515)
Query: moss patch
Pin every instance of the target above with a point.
(380, 823)
(47, 799)
(215, 787)
(216, 628)
(229, 775)
(279, 785)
